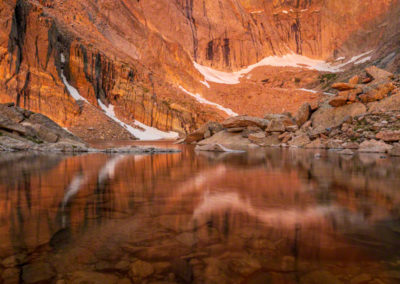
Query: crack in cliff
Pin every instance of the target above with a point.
(17, 34)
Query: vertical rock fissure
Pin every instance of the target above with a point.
(18, 33)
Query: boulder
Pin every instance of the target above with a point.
(338, 101)
(257, 138)
(328, 117)
(91, 277)
(236, 129)
(141, 269)
(11, 113)
(276, 126)
(378, 74)
(388, 104)
(319, 277)
(377, 94)
(210, 127)
(303, 114)
(389, 135)
(42, 133)
(354, 80)
(334, 144)
(245, 121)
(395, 151)
(299, 141)
(374, 146)
(40, 272)
(229, 140)
(9, 125)
(344, 86)
(316, 144)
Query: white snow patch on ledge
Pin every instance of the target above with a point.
(149, 133)
(288, 60)
(202, 100)
(72, 91)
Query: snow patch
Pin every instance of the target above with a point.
(149, 133)
(205, 83)
(288, 60)
(363, 60)
(202, 100)
(71, 90)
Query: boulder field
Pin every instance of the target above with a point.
(363, 116)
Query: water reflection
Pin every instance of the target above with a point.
(264, 217)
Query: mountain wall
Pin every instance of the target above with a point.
(135, 55)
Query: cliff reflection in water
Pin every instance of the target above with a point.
(275, 216)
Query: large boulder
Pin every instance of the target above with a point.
(344, 86)
(40, 119)
(303, 114)
(9, 125)
(389, 135)
(395, 151)
(378, 74)
(11, 113)
(245, 121)
(328, 117)
(299, 141)
(205, 131)
(388, 104)
(376, 94)
(276, 126)
(374, 146)
(229, 140)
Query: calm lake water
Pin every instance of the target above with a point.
(268, 216)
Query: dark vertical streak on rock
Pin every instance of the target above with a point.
(24, 91)
(18, 32)
(226, 51)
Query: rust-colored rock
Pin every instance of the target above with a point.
(245, 121)
(354, 80)
(344, 86)
(378, 74)
(303, 114)
(381, 92)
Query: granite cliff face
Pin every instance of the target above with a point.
(137, 56)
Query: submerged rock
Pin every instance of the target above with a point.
(214, 148)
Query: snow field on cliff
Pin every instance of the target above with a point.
(288, 60)
(149, 133)
(202, 100)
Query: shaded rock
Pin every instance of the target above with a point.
(328, 117)
(303, 114)
(344, 86)
(374, 146)
(37, 273)
(395, 151)
(245, 121)
(271, 140)
(229, 140)
(378, 93)
(8, 124)
(389, 135)
(257, 138)
(65, 146)
(12, 144)
(210, 128)
(11, 113)
(42, 133)
(299, 141)
(292, 128)
(10, 275)
(276, 126)
(350, 145)
(141, 269)
(183, 270)
(14, 260)
(46, 122)
(334, 144)
(236, 129)
(387, 104)
(316, 144)
(378, 74)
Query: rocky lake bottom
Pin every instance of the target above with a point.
(266, 216)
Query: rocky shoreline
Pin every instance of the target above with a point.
(363, 117)
(23, 130)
